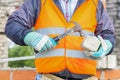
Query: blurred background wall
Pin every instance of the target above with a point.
(113, 9)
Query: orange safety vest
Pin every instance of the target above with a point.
(68, 53)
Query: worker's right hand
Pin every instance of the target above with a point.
(39, 41)
(101, 51)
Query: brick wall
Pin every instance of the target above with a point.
(113, 9)
(6, 8)
(17, 74)
(29, 74)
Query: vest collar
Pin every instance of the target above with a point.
(57, 3)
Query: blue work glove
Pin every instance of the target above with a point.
(39, 41)
(102, 51)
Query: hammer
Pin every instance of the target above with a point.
(76, 28)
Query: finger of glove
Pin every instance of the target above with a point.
(99, 53)
(43, 49)
(52, 42)
(109, 44)
(89, 55)
(48, 45)
(40, 45)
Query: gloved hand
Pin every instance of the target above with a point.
(102, 51)
(39, 41)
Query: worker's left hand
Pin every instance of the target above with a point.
(101, 51)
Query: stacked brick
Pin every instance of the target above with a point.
(113, 9)
(17, 74)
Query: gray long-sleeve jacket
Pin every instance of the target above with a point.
(23, 19)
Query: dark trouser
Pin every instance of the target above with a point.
(40, 77)
(67, 75)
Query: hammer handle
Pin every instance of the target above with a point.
(57, 38)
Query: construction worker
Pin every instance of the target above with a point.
(50, 18)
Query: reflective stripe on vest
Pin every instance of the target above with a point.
(51, 53)
(60, 52)
(75, 54)
(62, 30)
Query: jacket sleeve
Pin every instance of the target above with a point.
(21, 21)
(105, 26)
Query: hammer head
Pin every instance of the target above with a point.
(77, 28)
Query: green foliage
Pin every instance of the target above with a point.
(20, 51)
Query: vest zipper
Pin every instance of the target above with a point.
(65, 49)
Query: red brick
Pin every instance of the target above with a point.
(112, 74)
(4, 75)
(24, 75)
(30, 74)
(98, 73)
(109, 74)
